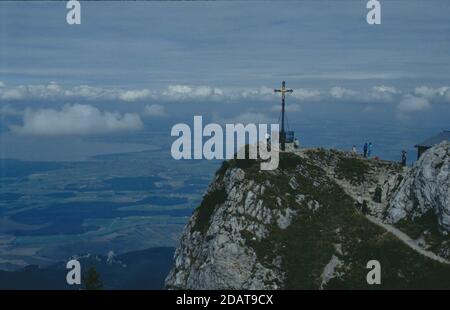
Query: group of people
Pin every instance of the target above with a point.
(367, 152)
(367, 149)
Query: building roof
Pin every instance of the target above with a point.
(445, 135)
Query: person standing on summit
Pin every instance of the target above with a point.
(365, 149)
(403, 158)
(369, 151)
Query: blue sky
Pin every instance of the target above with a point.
(131, 63)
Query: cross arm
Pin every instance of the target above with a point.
(283, 90)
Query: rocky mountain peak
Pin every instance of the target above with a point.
(425, 189)
(312, 223)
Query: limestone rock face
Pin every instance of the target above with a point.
(216, 256)
(425, 189)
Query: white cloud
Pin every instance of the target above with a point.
(380, 94)
(12, 94)
(54, 91)
(385, 89)
(178, 91)
(75, 119)
(2, 84)
(51, 90)
(375, 94)
(262, 93)
(433, 93)
(134, 95)
(171, 93)
(411, 103)
(342, 93)
(306, 94)
(154, 110)
(92, 93)
(187, 92)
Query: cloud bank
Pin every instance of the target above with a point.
(190, 93)
(135, 95)
(77, 119)
(433, 93)
(418, 99)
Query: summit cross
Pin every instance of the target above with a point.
(283, 92)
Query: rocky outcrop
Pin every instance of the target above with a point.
(426, 188)
(304, 224)
(215, 244)
(371, 183)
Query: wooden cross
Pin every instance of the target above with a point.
(283, 91)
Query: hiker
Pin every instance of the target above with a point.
(369, 150)
(365, 149)
(403, 158)
(354, 151)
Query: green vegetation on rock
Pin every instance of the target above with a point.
(207, 208)
(308, 243)
(353, 169)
